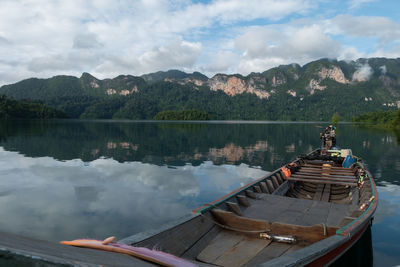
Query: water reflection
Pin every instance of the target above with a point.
(386, 226)
(45, 198)
(69, 179)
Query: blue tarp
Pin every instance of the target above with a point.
(350, 160)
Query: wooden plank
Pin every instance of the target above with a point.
(327, 167)
(280, 178)
(325, 178)
(326, 194)
(242, 252)
(232, 249)
(309, 234)
(292, 249)
(257, 189)
(243, 200)
(250, 194)
(318, 192)
(201, 244)
(231, 220)
(270, 186)
(321, 181)
(321, 167)
(328, 170)
(274, 181)
(234, 207)
(325, 174)
(218, 245)
(273, 251)
(264, 187)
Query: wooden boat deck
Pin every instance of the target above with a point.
(230, 248)
(298, 211)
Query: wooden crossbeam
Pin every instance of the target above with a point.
(323, 167)
(316, 181)
(243, 200)
(327, 170)
(325, 174)
(324, 178)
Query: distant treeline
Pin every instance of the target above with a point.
(12, 109)
(186, 115)
(388, 119)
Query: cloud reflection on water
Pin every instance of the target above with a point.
(50, 199)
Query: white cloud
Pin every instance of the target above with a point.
(125, 36)
(383, 69)
(86, 41)
(266, 47)
(222, 61)
(363, 72)
(43, 38)
(364, 26)
(353, 4)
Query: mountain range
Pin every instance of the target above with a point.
(314, 91)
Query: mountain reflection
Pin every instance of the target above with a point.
(71, 179)
(159, 143)
(176, 144)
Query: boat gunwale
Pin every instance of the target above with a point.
(354, 224)
(220, 200)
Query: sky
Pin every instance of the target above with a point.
(43, 38)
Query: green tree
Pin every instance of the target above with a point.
(335, 119)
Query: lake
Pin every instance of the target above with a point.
(68, 179)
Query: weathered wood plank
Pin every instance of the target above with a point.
(325, 174)
(232, 249)
(242, 252)
(201, 244)
(270, 186)
(250, 194)
(292, 249)
(222, 242)
(318, 192)
(280, 178)
(243, 200)
(321, 181)
(272, 251)
(257, 189)
(233, 221)
(274, 181)
(234, 207)
(308, 234)
(326, 194)
(323, 167)
(327, 178)
(264, 188)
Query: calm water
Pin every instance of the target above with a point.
(63, 180)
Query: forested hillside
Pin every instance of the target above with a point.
(387, 119)
(314, 91)
(12, 109)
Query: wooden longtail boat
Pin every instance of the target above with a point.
(308, 212)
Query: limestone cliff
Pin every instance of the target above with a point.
(335, 73)
(233, 85)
